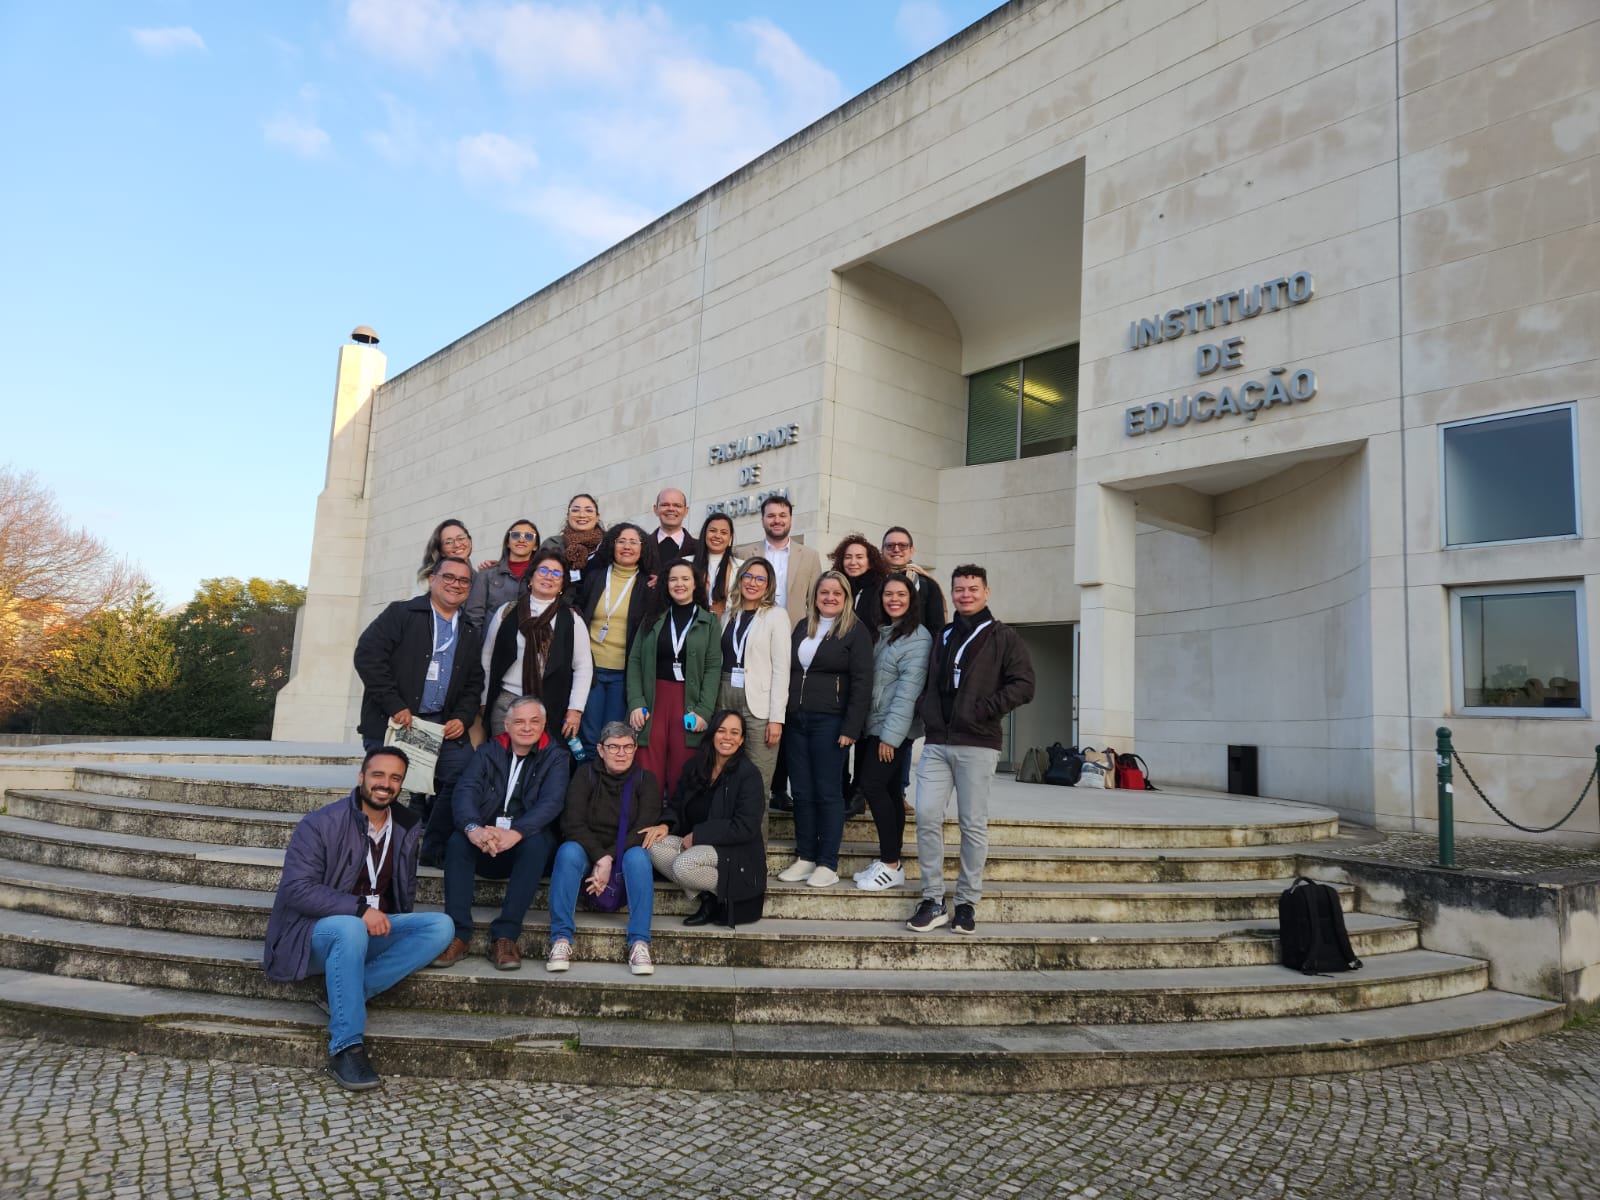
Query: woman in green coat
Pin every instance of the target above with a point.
(674, 671)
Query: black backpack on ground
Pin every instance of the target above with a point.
(1066, 765)
(1311, 933)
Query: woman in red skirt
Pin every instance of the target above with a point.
(674, 671)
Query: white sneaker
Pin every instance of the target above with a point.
(823, 877)
(639, 960)
(882, 879)
(560, 956)
(798, 871)
(867, 870)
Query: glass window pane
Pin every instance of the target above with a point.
(992, 415)
(1509, 479)
(1050, 402)
(1520, 650)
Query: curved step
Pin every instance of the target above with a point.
(763, 995)
(221, 912)
(721, 1057)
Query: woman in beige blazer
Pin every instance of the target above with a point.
(755, 664)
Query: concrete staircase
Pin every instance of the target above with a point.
(1123, 938)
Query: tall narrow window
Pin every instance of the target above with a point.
(1510, 478)
(992, 414)
(1023, 409)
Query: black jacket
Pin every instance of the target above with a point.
(541, 788)
(839, 680)
(593, 590)
(996, 677)
(931, 597)
(392, 657)
(728, 815)
(555, 689)
(866, 594)
(594, 809)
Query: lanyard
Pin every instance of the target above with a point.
(449, 641)
(511, 781)
(374, 871)
(678, 639)
(605, 622)
(740, 643)
(962, 649)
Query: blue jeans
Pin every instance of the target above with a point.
(521, 867)
(608, 701)
(816, 771)
(358, 966)
(572, 865)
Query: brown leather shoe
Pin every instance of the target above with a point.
(453, 953)
(505, 956)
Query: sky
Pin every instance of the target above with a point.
(200, 201)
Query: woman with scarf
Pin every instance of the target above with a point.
(674, 671)
(535, 646)
(612, 602)
(501, 581)
(714, 556)
(709, 840)
(579, 538)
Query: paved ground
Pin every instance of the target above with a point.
(1498, 856)
(1518, 1123)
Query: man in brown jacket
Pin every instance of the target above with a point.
(979, 672)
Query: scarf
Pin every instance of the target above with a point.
(579, 545)
(537, 631)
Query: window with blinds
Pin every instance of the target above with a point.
(1023, 409)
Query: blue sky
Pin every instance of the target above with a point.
(201, 200)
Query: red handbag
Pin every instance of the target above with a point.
(1133, 773)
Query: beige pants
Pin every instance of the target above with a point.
(694, 869)
(764, 757)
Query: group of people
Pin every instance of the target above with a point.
(616, 703)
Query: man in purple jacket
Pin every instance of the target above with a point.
(343, 908)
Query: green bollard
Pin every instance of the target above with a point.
(1447, 801)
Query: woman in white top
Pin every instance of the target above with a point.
(755, 663)
(535, 646)
(717, 562)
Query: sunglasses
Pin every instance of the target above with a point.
(550, 572)
(523, 537)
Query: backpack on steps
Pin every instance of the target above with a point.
(1311, 933)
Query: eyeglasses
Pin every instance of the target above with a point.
(456, 580)
(753, 578)
(618, 747)
(523, 537)
(634, 543)
(897, 545)
(550, 572)
(458, 540)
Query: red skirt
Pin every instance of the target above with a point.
(666, 755)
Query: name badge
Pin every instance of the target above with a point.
(372, 900)
(574, 576)
(736, 677)
(502, 822)
(433, 671)
(601, 636)
(677, 672)
(958, 676)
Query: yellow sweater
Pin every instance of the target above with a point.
(612, 654)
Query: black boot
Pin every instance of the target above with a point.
(706, 911)
(780, 802)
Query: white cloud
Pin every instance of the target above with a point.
(175, 40)
(804, 83)
(542, 44)
(413, 32)
(298, 135)
(922, 24)
(494, 159)
(593, 218)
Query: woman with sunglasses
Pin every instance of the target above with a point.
(755, 663)
(502, 581)
(449, 539)
(537, 647)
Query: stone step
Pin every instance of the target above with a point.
(720, 1056)
(772, 942)
(291, 789)
(218, 753)
(762, 995)
(146, 817)
(210, 865)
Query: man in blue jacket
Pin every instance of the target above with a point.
(505, 809)
(343, 908)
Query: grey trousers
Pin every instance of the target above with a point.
(764, 757)
(969, 771)
(694, 869)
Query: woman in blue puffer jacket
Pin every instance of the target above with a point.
(900, 668)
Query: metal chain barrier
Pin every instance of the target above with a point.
(1446, 757)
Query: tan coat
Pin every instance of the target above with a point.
(766, 663)
(805, 567)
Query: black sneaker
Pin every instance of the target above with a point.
(780, 802)
(352, 1069)
(962, 922)
(930, 914)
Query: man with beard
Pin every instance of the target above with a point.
(343, 908)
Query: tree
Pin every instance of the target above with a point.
(262, 613)
(113, 674)
(53, 578)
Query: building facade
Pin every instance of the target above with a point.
(1252, 345)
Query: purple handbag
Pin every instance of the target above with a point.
(614, 895)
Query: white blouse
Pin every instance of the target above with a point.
(582, 659)
(808, 648)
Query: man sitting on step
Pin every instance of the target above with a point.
(979, 672)
(506, 807)
(343, 908)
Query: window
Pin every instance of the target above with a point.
(1520, 650)
(1023, 409)
(1510, 479)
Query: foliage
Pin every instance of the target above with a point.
(113, 674)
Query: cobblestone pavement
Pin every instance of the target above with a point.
(1500, 856)
(84, 1122)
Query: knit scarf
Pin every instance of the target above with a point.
(578, 545)
(537, 631)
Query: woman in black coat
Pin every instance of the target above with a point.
(709, 840)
